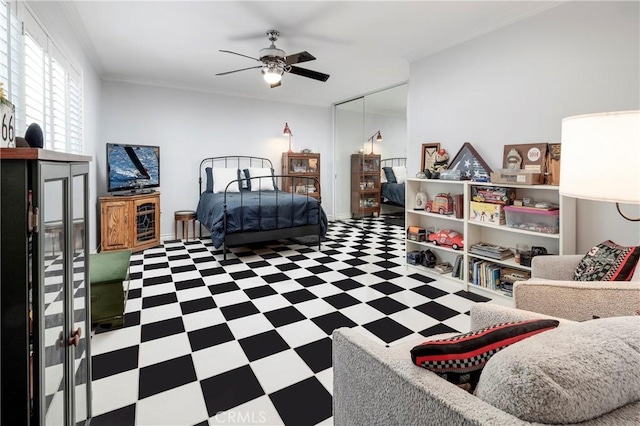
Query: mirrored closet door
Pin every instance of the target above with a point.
(371, 133)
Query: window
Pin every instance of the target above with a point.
(38, 79)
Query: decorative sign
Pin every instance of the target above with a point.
(7, 136)
(533, 156)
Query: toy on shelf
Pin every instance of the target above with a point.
(493, 194)
(442, 203)
(447, 237)
(441, 162)
(416, 233)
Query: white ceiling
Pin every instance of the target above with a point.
(364, 46)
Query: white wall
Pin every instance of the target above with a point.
(515, 85)
(60, 29)
(190, 126)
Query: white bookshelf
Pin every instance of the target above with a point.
(563, 242)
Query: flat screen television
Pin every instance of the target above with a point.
(132, 168)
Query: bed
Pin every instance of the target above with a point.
(394, 173)
(240, 208)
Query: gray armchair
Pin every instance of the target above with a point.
(551, 291)
(378, 385)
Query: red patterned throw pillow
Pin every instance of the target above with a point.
(470, 352)
(608, 262)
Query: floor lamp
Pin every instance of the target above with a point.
(600, 154)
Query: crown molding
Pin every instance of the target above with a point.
(506, 21)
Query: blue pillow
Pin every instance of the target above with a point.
(248, 181)
(391, 177)
(209, 172)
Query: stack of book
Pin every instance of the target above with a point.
(491, 250)
(443, 268)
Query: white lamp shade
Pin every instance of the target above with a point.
(600, 157)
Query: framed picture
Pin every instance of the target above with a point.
(532, 156)
(470, 164)
(428, 157)
(313, 165)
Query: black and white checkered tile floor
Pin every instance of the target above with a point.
(249, 342)
(383, 225)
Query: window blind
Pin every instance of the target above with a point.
(39, 80)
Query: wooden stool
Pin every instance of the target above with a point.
(184, 216)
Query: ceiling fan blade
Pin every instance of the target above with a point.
(240, 54)
(309, 73)
(241, 69)
(296, 58)
(274, 85)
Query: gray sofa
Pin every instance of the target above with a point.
(551, 291)
(378, 385)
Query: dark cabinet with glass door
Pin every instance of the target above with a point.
(45, 366)
(365, 185)
(303, 171)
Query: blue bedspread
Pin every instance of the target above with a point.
(394, 192)
(257, 211)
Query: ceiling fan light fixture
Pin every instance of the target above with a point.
(275, 62)
(272, 74)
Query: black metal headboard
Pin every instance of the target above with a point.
(394, 161)
(238, 161)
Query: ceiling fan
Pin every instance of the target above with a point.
(275, 63)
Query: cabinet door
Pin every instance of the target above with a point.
(307, 167)
(52, 276)
(115, 225)
(81, 297)
(365, 186)
(146, 212)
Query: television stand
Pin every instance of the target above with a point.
(134, 192)
(130, 221)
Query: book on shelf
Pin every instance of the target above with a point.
(457, 267)
(491, 250)
(443, 267)
(487, 274)
(511, 275)
(458, 205)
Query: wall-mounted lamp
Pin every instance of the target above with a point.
(378, 137)
(287, 132)
(600, 155)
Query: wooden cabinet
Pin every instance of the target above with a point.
(44, 297)
(130, 222)
(365, 185)
(306, 168)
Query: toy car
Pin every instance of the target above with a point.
(441, 203)
(493, 194)
(447, 237)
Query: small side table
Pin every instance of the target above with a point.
(184, 216)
